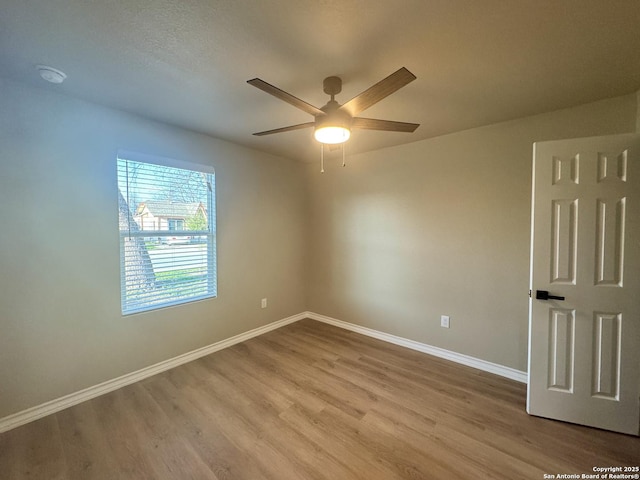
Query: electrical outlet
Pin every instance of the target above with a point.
(444, 321)
(263, 304)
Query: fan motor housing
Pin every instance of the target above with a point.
(332, 86)
(334, 117)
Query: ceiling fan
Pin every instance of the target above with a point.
(333, 122)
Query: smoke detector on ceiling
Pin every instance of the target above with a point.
(50, 74)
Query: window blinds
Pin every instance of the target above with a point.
(167, 235)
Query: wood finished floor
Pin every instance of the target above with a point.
(310, 401)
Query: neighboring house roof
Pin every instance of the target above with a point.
(168, 209)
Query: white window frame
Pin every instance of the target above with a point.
(209, 234)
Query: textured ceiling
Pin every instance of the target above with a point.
(186, 62)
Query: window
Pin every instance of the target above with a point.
(167, 233)
(176, 224)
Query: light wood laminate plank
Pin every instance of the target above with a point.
(310, 401)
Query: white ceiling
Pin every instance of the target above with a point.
(186, 62)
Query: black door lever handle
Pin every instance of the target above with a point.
(544, 295)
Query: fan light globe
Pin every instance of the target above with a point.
(332, 134)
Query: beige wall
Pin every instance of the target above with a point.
(638, 111)
(441, 226)
(60, 324)
(397, 238)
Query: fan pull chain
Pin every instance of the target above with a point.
(322, 158)
(343, 162)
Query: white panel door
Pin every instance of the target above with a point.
(584, 346)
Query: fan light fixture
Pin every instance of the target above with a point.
(334, 126)
(332, 134)
(333, 123)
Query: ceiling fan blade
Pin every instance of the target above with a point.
(380, 90)
(285, 129)
(287, 97)
(386, 125)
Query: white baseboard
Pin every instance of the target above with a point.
(31, 414)
(20, 418)
(490, 367)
